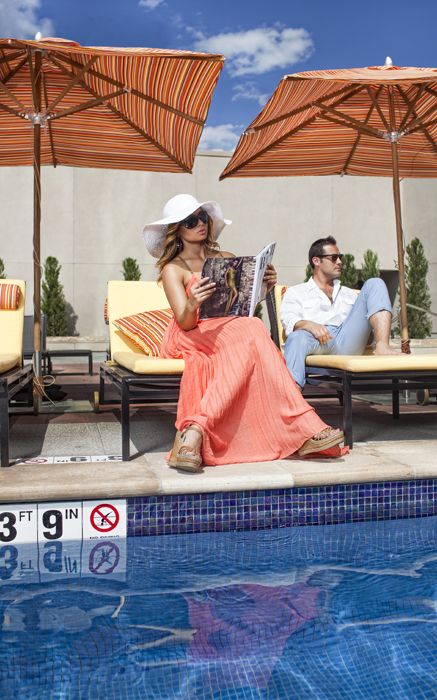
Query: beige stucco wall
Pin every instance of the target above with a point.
(92, 219)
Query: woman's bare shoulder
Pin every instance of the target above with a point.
(227, 254)
(174, 271)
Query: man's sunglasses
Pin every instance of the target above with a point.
(333, 256)
(193, 220)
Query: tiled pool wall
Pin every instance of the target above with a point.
(257, 510)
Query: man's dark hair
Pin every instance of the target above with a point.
(316, 249)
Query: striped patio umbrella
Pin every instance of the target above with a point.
(377, 121)
(66, 104)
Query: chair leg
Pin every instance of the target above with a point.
(125, 423)
(4, 431)
(102, 388)
(90, 364)
(347, 411)
(395, 398)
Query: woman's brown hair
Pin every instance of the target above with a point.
(173, 245)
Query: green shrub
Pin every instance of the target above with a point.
(349, 274)
(53, 302)
(308, 272)
(370, 266)
(131, 270)
(2, 270)
(416, 270)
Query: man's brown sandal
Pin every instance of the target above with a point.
(327, 438)
(184, 457)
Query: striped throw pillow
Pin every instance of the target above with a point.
(9, 297)
(146, 329)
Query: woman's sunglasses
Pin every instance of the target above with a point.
(333, 257)
(193, 220)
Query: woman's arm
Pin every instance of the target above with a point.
(185, 308)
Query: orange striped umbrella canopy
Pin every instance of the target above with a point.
(98, 107)
(136, 109)
(377, 121)
(342, 122)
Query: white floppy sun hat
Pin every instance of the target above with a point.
(177, 209)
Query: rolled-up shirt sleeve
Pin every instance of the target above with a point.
(292, 311)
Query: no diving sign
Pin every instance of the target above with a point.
(101, 518)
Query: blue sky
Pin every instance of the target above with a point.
(262, 39)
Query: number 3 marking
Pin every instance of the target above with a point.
(9, 526)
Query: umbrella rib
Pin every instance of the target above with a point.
(10, 110)
(32, 78)
(377, 106)
(11, 57)
(410, 104)
(52, 145)
(134, 91)
(130, 123)
(286, 135)
(422, 126)
(359, 134)
(307, 105)
(354, 123)
(415, 122)
(87, 105)
(12, 96)
(15, 70)
(71, 84)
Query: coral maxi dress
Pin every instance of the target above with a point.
(237, 387)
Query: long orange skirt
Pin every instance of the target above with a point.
(237, 387)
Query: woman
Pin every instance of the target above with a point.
(238, 402)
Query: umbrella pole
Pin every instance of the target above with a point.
(405, 341)
(37, 234)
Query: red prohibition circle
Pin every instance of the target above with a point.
(97, 512)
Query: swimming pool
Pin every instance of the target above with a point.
(328, 612)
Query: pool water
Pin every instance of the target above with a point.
(339, 611)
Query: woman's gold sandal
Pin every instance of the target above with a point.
(185, 457)
(324, 442)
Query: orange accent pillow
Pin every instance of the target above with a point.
(9, 297)
(146, 329)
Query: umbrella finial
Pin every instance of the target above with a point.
(38, 36)
(388, 62)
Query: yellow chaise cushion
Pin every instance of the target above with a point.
(8, 361)
(140, 363)
(373, 363)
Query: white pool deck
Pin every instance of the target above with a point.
(385, 450)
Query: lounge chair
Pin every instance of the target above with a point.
(138, 378)
(13, 375)
(360, 374)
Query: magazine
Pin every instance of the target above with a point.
(239, 283)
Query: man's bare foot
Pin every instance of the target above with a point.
(385, 349)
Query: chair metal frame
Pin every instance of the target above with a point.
(344, 383)
(11, 382)
(136, 389)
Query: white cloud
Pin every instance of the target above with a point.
(249, 91)
(20, 19)
(260, 50)
(150, 4)
(223, 137)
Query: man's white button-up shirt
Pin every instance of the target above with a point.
(307, 302)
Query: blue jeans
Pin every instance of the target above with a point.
(349, 338)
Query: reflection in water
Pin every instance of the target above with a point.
(326, 612)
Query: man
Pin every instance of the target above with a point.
(322, 317)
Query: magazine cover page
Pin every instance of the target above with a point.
(234, 279)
